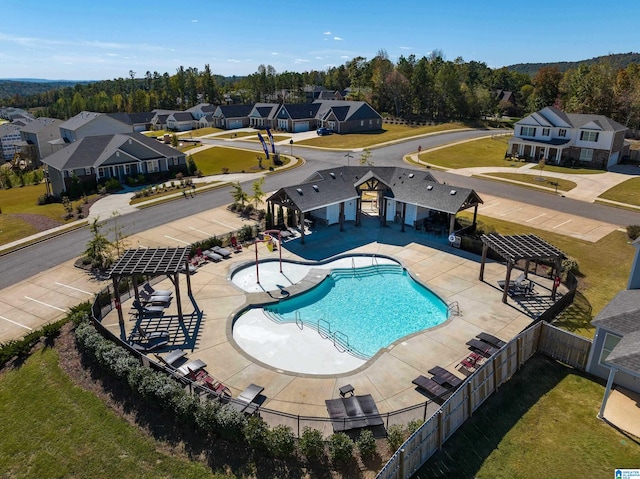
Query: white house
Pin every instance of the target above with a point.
(569, 138)
(180, 121)
(88, 123)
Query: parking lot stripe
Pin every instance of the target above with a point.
(535, 217)
(45, 304)
(563, 223)
(17, 324)
(511, 211)
(176, 239)
(200, 231)
(490, 206)
(75, 289)
(223, 224)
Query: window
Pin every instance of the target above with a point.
(562, 133)
(361, 122)
(589, 135)
(527, 131)
(87, 171)
(101, 172)
(586, 154)
(546, 131)
(610, 342)
(127, 169)
(152, 166)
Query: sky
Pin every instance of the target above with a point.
(91, 40)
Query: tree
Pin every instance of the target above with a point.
(546, 87)
(238, 194)
(98, 248)
(365, 158)
(258, 194)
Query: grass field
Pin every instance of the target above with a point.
(540, 424)
(627, 192)
(568, 170)
(23, 201)
(50, 428)
(213, 161)
(535, 180)
(388, 133)
(484, 152)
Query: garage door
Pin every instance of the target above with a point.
(235, 124)
(301, 126)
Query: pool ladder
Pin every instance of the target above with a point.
(453, 309)
(339, 338)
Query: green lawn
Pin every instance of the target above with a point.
(569, 170)
(540, 424)
(238, 134)
(388, 133)
(536, 180)
(484, 152)
(627, 192)
(50, 428)
(24, 201)
(212, 161)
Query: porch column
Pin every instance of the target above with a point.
(607, 391)
(302, 226)
(403, 211)
(475, 215)
(452, 223)
(341, 217)
(116, 299)
(358, 207)
(557, 275)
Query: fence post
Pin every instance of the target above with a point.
(440, 430)
(401, 465)
(469, 398)
(519, 353)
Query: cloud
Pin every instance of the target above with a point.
(337, 39)
(233, 60)
(112, 54)
(194, 21)
(300, 60)
(275, 53)
(319, 58)
(406, 48)
(327, 33)
(345, 56)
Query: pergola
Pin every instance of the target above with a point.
(515, 248)
(150, 262)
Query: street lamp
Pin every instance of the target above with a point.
(291, 144)
(348, 156)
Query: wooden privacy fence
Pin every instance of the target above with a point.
(541, 337)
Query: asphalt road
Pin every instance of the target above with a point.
(29, 261)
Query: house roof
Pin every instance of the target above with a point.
(301, 111)
(517, 247)
(626, 354)
(40, 124)
(133, 118)
(182, 116)
(545, 116)
(622, 314)
(266, 110)
(93, 151)
(80, 120)
(346, 110)
(340, 184)
(8, 129)
(234, 111)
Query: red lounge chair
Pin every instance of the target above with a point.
(237, 247)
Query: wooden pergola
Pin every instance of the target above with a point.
(515, 248)
(150, 262)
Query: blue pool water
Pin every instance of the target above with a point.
(372, 306)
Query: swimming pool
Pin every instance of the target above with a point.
(365, 303)
(364, 309)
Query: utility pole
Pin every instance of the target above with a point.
(348, 156)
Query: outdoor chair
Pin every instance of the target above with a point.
(156, 292)
(224, 252)
(237, 247)
(147, 311)
(514, 283)
(211, 256)
(245, 402)
(172, 358)
(431, 387)
(145, 342)
(353, 412)
(157, 300)
(481, 347)
(442, 377)
(491, 339)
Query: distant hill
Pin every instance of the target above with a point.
(618, 60)
(32, 86)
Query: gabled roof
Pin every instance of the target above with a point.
(346, 110)
(336, 185)
(133, 118)
(40, 124)
(622, 314)
(265, 110)
(8, 129)
(300, 111)
(181, 116)
(201, 107)
(80, 120)
(233, 111)
(93, 151)
(626, 354)
(545, 118)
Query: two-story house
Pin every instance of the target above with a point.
(38, 134)
(88, 123)
(10, 140)
(569, 138)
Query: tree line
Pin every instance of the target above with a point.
(430, 88)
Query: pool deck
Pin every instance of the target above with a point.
(451, 273)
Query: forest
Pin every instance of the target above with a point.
(428, 88)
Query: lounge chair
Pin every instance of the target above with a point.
(157, 300)
(245, 402)
(211, 256)
(147, 311)
(442, 377)
(224, 252)
(192, 366)
(491, 339)
(156, 292)
(353, 412)
(192, 268)
(430, 386)
(145, 342)
(481, 347)
(512, 283)
(172, 358)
